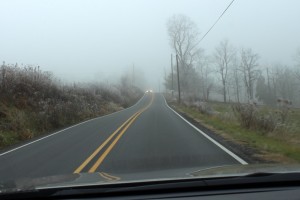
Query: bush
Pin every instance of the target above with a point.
(246, 114)
(200, 106)
(33, 101)
(250, 117)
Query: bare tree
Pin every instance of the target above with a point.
(224, 57)
(248, 67)
(283, 85)
(204, 70)
(236, 80)
(285, 82)
(297, 59)
(184, 37)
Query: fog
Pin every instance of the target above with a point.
(101, 40)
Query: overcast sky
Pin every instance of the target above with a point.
(98, 40)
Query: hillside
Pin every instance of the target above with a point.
(34, 102)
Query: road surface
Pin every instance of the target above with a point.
(147, 137)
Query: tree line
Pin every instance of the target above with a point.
(229, 74)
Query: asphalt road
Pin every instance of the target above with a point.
(147, 137)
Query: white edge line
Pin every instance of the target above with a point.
(209, 138)
(24, 145)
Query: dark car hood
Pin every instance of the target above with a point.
(103, 178)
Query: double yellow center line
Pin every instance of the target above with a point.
(118, 133)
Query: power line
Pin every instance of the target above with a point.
(216, 21)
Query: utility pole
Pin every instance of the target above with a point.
(179, 97)
(158, 85)
(165, 74)
(269, 88)
(172, 74)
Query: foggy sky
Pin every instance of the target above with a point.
(99, 40)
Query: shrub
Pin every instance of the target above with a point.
(33, 101)
(246, 114)
(249, 117)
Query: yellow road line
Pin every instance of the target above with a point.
(78, 170)
(102, 157)
(103, 176)
(109, 177)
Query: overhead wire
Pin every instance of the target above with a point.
(216, 21)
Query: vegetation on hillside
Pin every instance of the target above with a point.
(272, 132)
(228, 73)
(260, 103)
(33, 102)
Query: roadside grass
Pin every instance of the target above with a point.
(8, 138)
(20, 125)
(280, 146)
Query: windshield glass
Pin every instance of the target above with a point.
(119, 90)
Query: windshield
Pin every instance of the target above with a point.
(117, 90)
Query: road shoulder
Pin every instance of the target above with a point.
(249, 154)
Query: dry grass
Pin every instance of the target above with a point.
(280, 145)
(32, 102)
